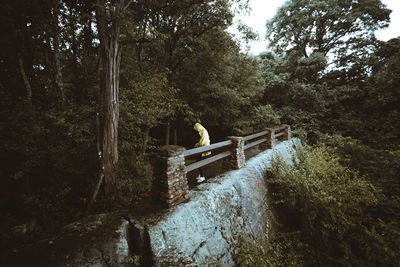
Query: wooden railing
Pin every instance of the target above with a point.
(196, 151)
(171, 179)
(279, 133)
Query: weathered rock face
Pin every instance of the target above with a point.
(97, 240)
(198, 232)
(109, 242)
(201, 232)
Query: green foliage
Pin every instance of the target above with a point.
(294, 96)
(280, 250)
(327, 77)
(323, 212)
(256, 120)
(329, 203)
(42, 176)
(135, 176)
(222, 85)
(49, 140)
(382, 169)
(331, 207)
(335, 84)
(134, 260)
(314, 27)
(324, 50)
(145, 92)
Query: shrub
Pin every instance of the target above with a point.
(322, 216)
(326, 201)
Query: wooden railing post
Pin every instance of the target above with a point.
(238, 157)
(170, 185)
(271, 138)
(287, 133)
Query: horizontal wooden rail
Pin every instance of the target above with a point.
(171, 184)
(249, 137)
(255, 143)
(206, 161)
(203, 149)
(279, 128)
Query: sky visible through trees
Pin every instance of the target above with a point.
(263, 10)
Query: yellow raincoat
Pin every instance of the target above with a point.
(204, 138)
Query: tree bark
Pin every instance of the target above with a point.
(57, 60)
(25, 78)
(146, 139)
(110, 136)
(74, 47)
(175, 136)
(111, 58)
(97, 188)
(167, 134)
(100, 175)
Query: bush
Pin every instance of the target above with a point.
(326, 201)
(322, 216)
(49, 156)
(135, 176)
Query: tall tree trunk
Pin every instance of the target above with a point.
(18, 39)
(59, 76)
(74, 47)
(167, 133)
(175, 136)
(57, 60)
(25, 78)
(110, 136)
(100, 175)
(111, 59)
(146, 139)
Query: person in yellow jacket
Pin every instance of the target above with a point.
(204, 141)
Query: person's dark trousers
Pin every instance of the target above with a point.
(200, 157)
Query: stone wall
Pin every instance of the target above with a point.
(197, 232)
(170, 184)
(201, 231)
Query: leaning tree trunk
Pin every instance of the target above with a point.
(111, 58)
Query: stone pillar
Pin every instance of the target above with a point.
(287, 132)
(271, 138)
(238, 158)
(170, 184)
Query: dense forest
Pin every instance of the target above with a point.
(90, 89)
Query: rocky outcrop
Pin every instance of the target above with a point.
(97, 240)
(108, 244)
(202, 231)
(198, 232)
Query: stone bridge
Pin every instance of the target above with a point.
(200, 231)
